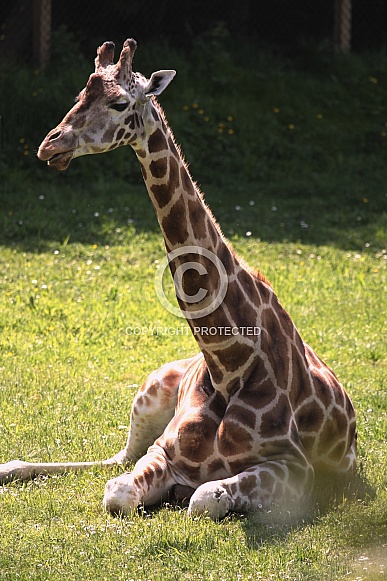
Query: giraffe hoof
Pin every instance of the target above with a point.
(211, 501)
(120, 496)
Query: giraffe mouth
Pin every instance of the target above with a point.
(61, 161)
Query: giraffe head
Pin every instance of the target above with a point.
(112, 110)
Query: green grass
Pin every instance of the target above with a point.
(78, 255)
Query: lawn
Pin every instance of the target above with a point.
(291, 156)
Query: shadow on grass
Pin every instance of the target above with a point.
(91, 204)
(327, 498)
(297, 156)
(274, 526)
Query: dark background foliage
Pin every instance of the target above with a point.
(280, 24)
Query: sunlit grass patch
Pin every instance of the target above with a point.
(294, 170)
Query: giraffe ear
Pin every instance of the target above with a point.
(158, 82)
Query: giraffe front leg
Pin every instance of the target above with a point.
(150, 480)
(264, 486)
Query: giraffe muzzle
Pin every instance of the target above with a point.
(60, 160)
(57, 149)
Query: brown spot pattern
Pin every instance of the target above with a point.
(186, 181)
(242, 415)
(216, 465)
(120, 133)
(276, 421)
(258, 394)
(159, 167)
(233, 439)
(162, 194)
(196, 438)
(175, 224)
(247, 485)
(198, 218)
(235, 356)
(309, 417)
(157, 142)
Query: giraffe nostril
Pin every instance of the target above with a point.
(55, 135)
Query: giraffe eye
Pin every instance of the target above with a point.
(119, 106)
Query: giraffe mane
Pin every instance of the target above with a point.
(256, 273)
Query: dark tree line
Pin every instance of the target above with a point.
(282, 24)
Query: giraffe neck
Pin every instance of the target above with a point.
(183, 217)
(207, 274)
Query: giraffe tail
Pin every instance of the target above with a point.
(20, 470)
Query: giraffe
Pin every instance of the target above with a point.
(251, 420)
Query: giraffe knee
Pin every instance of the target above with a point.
(210, 499)
(120, 496)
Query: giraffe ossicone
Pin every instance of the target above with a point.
(250, 421)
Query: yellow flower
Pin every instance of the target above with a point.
(319, 116)
(373, 80)
(231, 131)
(365, 200)
(201, 111)
(185, 107)
(195, 106)
(230, 118)
(21, 140)
(276, 110)
(291, 126)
